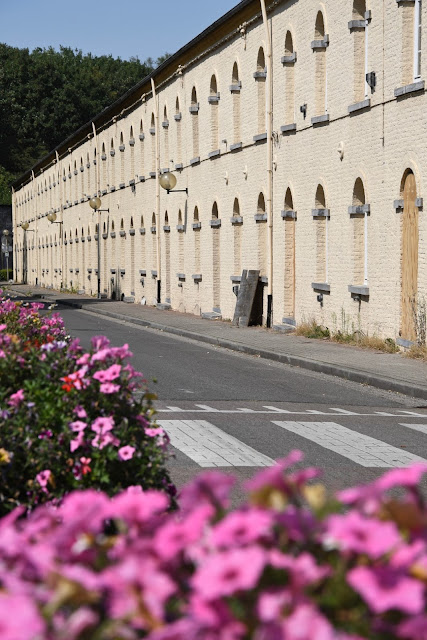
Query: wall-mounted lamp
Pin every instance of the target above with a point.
(25, 225)
(168, 181)
(52, 218)
(95, 204)
(303, 109)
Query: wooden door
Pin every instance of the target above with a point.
(409, 259)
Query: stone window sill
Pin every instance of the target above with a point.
(236, 146)
(260, 217)
(323, 119)
(359, 106)
(321, 213)
(236, 278)
(288, 128)
(357, 290)
(260, 137)
(195, 161)
(321, 286)
(142, 272)
(409, 88)
(215, 223)
(196, 225)
(359, 209)
(236, 220)
(291, 59)
(289, 215)
(214, 154)
(197, 277)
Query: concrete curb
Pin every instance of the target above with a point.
(353, 375)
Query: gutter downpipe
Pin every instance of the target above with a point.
(98, 192)
(33, 177)
(269, 203)
(61, 226)
(158, 265)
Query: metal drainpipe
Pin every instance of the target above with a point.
(269, 203)
(156, 116)
(36, 229)
(61, 230)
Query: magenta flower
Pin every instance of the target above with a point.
(274, 476)
(152, 433)
(175, 536)
(211, 487)
(102, 440)
(16, 398)
(306, 623)
(19, 618)
(242, 528)
(109, 387)
(77, 441)
(126, 453)
(43, 477)
(384, 588)
(407, 477)
(77, 425)
(102, 425)
(108, 375)
(80, 412)
(228, 572)
(354, 532)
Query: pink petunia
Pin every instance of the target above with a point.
(241, 528)
(16, 398)
(177, 535)
(77, 441)
(108, 375)
(109, 387)
(407, 477)
(77, 425)
(80, 412)
(274, 476)
(306, 623)
(43, 477)
(19, 617)
(126, 453)
(102, 425)
(152, 433)
(102, 440)
(229, 572)
(354, 532)
(384, 588)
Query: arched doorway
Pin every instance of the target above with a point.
(409, 257)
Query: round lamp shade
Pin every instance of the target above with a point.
(51, 217)
(167, 181)
(25, 225)
(95, 203)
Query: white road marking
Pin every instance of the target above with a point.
(344, 412)
(417, 427)
(207, 408)
(366, 451)
(275, 409)
(413, 413)
(211, 447)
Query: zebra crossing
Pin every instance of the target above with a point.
(209, 443)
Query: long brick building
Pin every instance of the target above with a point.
(300, 134)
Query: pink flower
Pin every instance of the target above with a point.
(407, 477)
(274, 476)
(102, 440)
(108, 375)
(77, 442)
(384, 588)
(354, 532)
(78, 425)
(152, 433)
(415, 628)
(19, 618)
(3, 327)
(84, 359)
(241, 528)
(126, 453)
(137, 506)
(102, 425)
(80, 412)
(16, 398)
(176, 536)
(209, 487)
(43, 477)
(109, 387)
(303, 570)
(228, 572)
(306, 623)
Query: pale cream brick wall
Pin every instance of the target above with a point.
(379, 144)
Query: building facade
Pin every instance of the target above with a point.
(300, 133)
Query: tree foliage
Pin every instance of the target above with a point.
(46, 94)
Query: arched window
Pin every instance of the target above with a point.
(358, 26)
(261, 218)
(411, 40)
(141, 148)
(214, 102)
(216, 259)
(122, 225)
(153, 143)
(359, 212)
(196, 229)
(194, 111)
(131, 222)
(236, 86)
(321, 216)
(181, 252)
(260, 76)
(165, 125)
(289, 216)
(319, 46)
(104, 166)
(178, 118)
(237, 237)
(122, 158)
(132, 153)
(289, 60)
(112, 180)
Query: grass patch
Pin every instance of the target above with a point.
(311, 329)
(418, 352)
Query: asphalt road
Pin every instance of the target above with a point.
(239, 413)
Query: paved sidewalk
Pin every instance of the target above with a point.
(391, 372)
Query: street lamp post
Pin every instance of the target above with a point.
(95, 204)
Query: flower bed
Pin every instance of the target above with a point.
(70, 419)
(286, 565)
